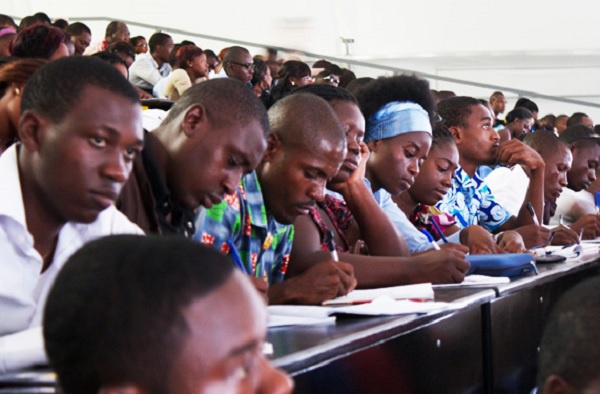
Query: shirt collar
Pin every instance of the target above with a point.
(11, 196)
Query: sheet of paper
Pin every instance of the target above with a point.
(386, 306)
(422, 291)
(293, 315)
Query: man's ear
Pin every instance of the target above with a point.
(273, 146)
(32, 129)
(193, 119)
(125, 389)
(456, 134)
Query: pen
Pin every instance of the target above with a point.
(331, 245)
(235, 256)
(430, 239)
(580, 234)
(597, 194)
(439, 230)
(533, 215)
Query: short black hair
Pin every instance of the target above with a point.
(441, 135)
(122, 47)
(518, 113)
(527, 103)
(225, 100)
(114, 314)
(383, 90)
(157, 39)
(575, 119)
(54, 89)
(545, 142)
(569, 347)
(454, 111)
(328, 93)
(302, 121)
(78, 28)
(110, 58)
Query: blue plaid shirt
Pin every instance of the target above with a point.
(470, 201)
(263, 245)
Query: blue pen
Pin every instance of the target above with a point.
(439, 230)
(597, 194)
(235, 256)
(430, 239)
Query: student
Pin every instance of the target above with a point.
(359, 218)
(211, 137)
(176, 318)
(519, 122)
(13, 76)
(431, 185)
(398, 113)
(511, 185)
(305, 148)
(569, 351)
(470, 123)
(78, 141)
(585, 147)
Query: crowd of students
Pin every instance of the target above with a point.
(273, 180)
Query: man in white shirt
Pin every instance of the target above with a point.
(78, 140)
(149, 68)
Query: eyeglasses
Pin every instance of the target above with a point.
(247, 66)
(332, 78)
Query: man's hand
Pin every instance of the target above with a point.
(533, 235)
(480, 241)
(515, 152)
(440, 266)
(323, 281)
(590, 224)
(511, 242)
(356, 179)
(564, 236)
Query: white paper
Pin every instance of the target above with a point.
(422, 291)
(386, 306)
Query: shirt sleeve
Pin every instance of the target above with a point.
(23, 349)
(417, 241)
(281, 256)
(491, 215)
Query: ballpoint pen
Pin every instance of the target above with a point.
(331, 245)
(430, 239)
(439, 230)
(235, 256)
(533, 215)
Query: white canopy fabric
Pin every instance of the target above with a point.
(549, 47)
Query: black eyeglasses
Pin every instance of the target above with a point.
(247, 66)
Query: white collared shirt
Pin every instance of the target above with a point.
(145, 72)
(23, 288)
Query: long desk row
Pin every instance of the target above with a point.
(487, 342)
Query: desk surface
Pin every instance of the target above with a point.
(299, 348)
(302, 348)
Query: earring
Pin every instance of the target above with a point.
(17, 92)
(293, 83)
